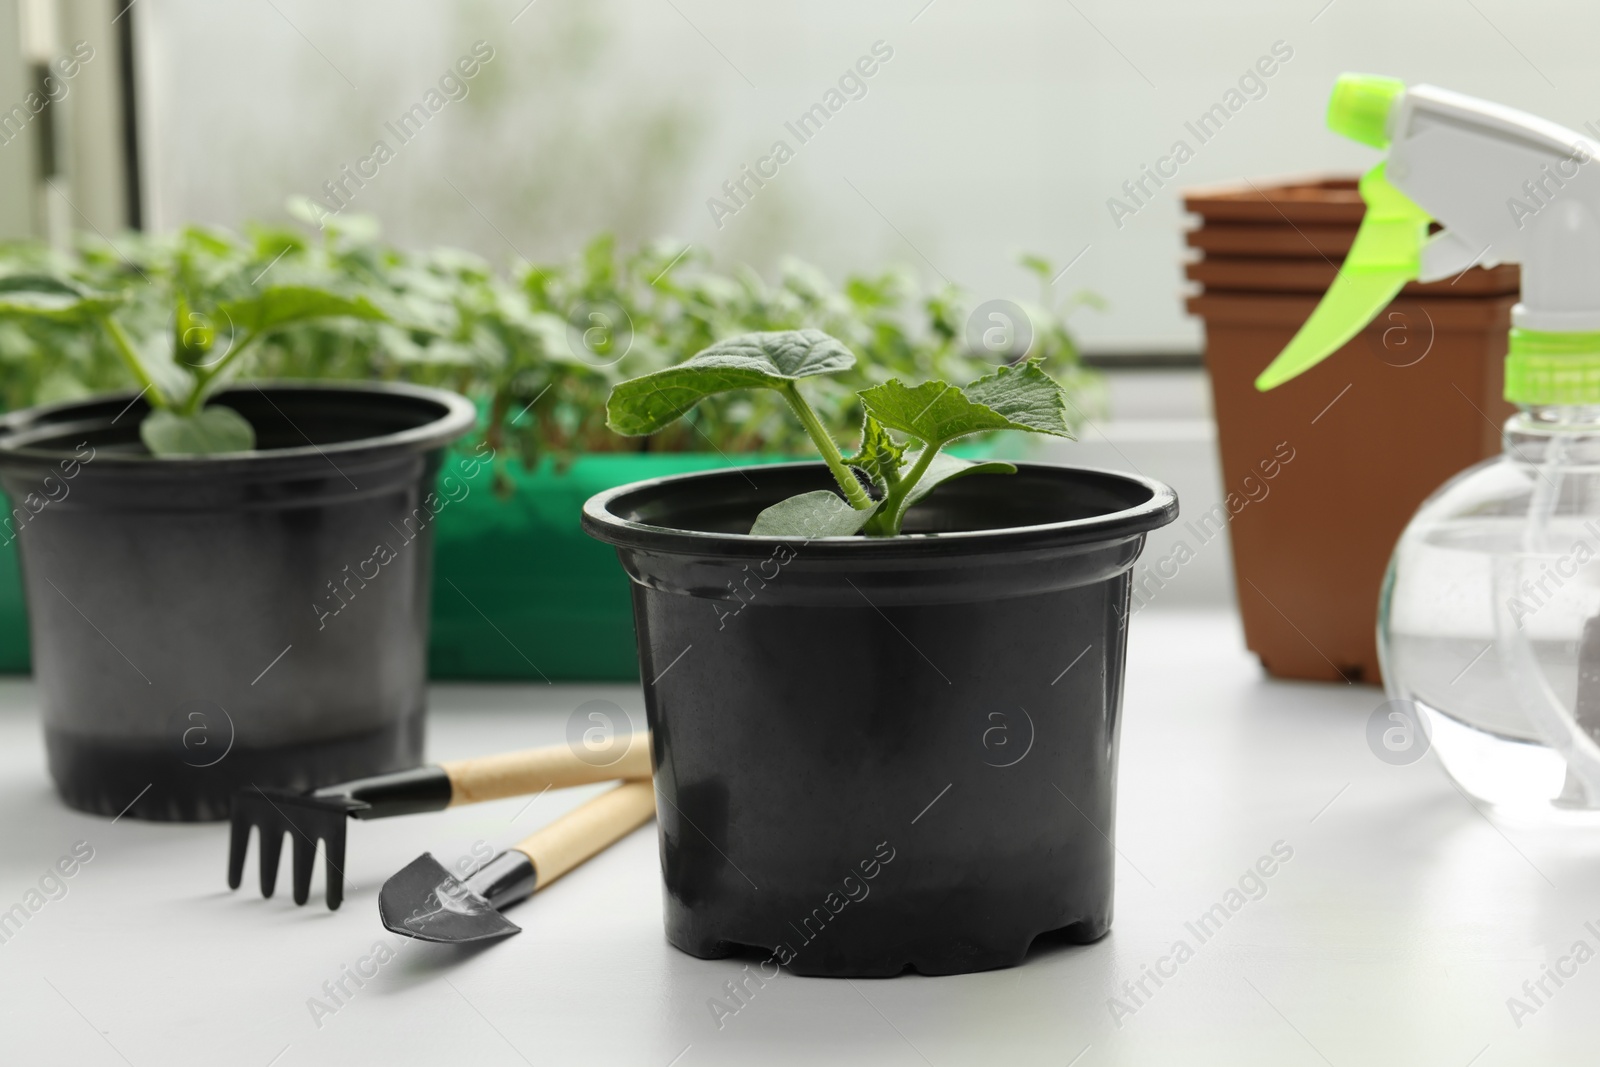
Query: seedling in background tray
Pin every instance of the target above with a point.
(885, 477)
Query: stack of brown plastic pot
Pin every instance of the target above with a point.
(1322, 473)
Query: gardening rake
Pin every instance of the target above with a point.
(321, 815)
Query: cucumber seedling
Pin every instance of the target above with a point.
(200, 349)
(885, 476)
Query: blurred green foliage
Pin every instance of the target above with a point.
(538, 348)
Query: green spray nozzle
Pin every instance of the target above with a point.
(1359, 107)
(1386, 254)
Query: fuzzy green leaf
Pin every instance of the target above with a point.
(944, 468)
(767, 360)
(879, 456)
(284, 305)
(1013, 398)
(933, 412)
(212, 430)
(821, 513)
(1026, 396)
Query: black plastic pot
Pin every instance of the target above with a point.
(202, 624)
(881, 754)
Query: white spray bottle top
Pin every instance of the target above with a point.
(1508, 187)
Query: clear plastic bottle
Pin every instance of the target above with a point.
(1490, 617)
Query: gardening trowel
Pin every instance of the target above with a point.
(427, 902)
(321, 814)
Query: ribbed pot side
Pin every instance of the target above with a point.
(875, 755)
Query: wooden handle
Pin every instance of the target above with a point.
(515, 774)
(588, 829)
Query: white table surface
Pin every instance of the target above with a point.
(1395, 934)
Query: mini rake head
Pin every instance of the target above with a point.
(306, 819)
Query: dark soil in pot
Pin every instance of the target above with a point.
(875, 755)
(208, 623)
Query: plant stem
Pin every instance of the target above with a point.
(886, 523)
(203, 376)
(124, 347)
(848, 483)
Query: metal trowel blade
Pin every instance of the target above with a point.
(427, 902)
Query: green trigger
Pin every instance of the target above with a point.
(1386, 254)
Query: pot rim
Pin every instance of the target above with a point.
(457, 417)
(601, 523)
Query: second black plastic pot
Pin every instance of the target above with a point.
(202, 624)
(881, 754)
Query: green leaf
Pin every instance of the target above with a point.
(61, 384)
(933, 412)
(1038, 264)
(48, 283)
(283, 305)
(822, 513)
(941, 468)
(214, 429)
(1028, 398)
(194, 334)
(44, 296)
(59, 306)
(768, 360)
(945, 468)
(1013, 398)
(156, 354)
(306, 210)
(879, 456)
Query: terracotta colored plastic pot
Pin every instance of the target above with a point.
(1322, 473)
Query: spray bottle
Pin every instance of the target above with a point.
(1489, 617)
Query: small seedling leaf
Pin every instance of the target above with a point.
(1039, 265)
(212, 430)
(284, 305)
(821, 513)
(767, 360)
(944, 468)
(1026, 396)
(933, 412)
(879, 456)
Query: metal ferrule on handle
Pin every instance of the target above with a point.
(504, 880)
(520, 871)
